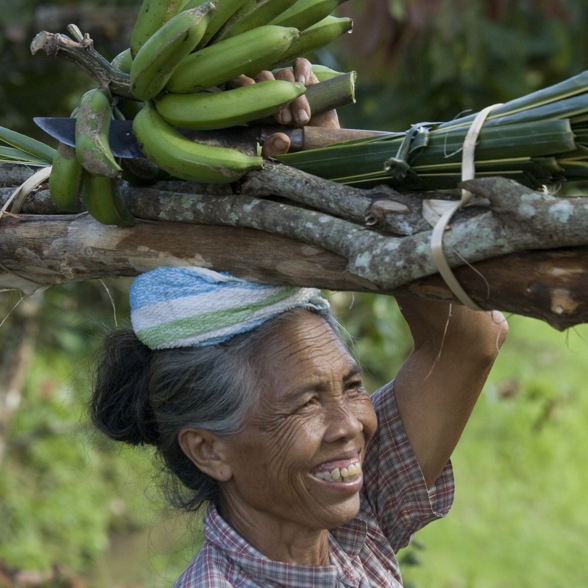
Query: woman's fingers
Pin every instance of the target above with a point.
(302, 72)
(264, 75)
(297, 112)
(276, 144)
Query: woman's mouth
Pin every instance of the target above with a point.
(346, 474)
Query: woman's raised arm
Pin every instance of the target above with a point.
(438, 385)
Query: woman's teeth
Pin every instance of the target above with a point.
(341, 474)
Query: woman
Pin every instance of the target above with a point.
(255, 405)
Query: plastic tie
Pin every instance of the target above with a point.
(449, 208)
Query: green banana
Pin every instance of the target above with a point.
(124, 108)
(123, 61)
(225, 9)
(324, 73)
(91, 134)
(185, 159)
(152, 14)
(254, 14)
(165, 49)
(318, 35)
(304, 13)
(247, 53)
(227, 108)
(65, 180)
(245, 8)
(103, 201)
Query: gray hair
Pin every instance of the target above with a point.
(148, 397)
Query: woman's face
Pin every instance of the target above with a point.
(298, 459)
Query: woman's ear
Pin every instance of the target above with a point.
(206, 451)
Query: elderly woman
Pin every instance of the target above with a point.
(259, 411)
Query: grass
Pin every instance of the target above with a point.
(520, 517)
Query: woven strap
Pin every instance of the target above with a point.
(468, 172)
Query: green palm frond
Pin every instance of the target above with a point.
(24, 150)
(538, 139)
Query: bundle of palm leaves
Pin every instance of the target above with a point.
(539, 139)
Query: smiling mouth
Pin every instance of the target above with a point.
(345, 474)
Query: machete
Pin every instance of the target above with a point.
(123, 143)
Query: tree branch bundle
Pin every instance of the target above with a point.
(516, 250)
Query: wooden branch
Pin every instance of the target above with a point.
(527, 253)
(83, 54)
(44, 250)
(386, 209)
(370, 254)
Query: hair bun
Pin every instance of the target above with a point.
(120, 404)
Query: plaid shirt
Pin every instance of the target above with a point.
(395, 504)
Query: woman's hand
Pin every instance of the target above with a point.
(298, 112)
(438, 385)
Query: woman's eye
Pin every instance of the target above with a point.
(356, 386)
(307, 403)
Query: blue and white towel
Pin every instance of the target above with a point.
(192, 306)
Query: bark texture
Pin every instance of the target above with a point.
(516, 250)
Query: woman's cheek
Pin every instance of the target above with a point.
(366, 413)
(285, 441)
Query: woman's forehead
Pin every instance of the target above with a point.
(305, 348)
(301, 331)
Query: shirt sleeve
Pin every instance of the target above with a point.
(394, 486)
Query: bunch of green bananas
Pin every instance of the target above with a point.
(88, 174)
(182, 54)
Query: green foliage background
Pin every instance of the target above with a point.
(69, 497)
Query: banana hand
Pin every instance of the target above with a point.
(164, 50)
(152, 14)
(251, 16)
(304, 13)
(123, 61)
(103, 201)
(318, 35)
(224, 12)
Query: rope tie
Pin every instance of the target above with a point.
(443, 210)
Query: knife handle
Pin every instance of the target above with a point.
(317, 137)
(303, 138)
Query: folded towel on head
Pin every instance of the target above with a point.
(193, 306)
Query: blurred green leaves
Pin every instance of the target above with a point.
(520, 515)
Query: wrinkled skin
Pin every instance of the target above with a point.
(314, 416)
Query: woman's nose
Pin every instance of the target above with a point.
(342, 422)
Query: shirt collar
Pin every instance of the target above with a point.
(257, 565)
(351, 536)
